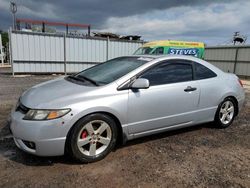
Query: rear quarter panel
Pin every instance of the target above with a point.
(213, 92)
(236, 89)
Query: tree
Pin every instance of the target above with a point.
(5, 38)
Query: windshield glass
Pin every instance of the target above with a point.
(143, 51)
(111, 70)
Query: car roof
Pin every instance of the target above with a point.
(168, 56)
(153, 59)
(184, 57)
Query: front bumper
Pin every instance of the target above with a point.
(48, 136)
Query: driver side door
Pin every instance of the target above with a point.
(171, 99)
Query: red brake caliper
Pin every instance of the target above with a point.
(84, 134)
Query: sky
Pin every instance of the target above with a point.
(209, 21)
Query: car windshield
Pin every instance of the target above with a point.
(143, 51)
(111, 70)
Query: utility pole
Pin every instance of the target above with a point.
(1, 49)
(13, 10)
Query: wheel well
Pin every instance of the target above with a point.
(120, 138)
(236, 103)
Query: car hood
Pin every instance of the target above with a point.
(54, 94)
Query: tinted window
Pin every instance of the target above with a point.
(158, 51)
(167, 73)
(203, 72)
(112, 70)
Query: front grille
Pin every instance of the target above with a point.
(21, 108)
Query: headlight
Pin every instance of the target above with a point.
(45, 114)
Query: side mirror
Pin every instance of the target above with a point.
(140, 83)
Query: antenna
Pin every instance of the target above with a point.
(13, 10)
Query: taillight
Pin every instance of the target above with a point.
(240, 82)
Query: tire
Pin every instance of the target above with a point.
(225, 113)
(92, 138)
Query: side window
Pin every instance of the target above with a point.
(202, 72)
(158, 51)
(166, 73)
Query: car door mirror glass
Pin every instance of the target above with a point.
(140, 83)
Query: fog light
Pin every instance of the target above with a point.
(29, 144)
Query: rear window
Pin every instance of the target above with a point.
(202, 72)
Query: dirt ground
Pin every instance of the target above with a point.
(201, 156)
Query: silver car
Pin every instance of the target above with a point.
(88, 113)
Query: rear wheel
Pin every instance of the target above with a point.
(225, 113)
(92, 138)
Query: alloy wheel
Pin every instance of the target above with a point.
(226, 112)
(94, 138)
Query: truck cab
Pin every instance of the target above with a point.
(172, 47)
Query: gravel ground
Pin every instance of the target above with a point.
(201, 156)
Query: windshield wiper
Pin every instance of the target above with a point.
(76, 78)
(88, 79)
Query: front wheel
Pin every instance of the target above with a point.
(92, 138)
(225, 113)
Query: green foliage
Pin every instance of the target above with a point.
(5, 38)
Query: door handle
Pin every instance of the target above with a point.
(189, 88)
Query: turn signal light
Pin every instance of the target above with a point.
(52, 115)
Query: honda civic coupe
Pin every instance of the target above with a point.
(86, 114)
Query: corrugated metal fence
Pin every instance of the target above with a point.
(54, 53)
(234, 59)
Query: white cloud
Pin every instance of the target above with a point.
(212, 24)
